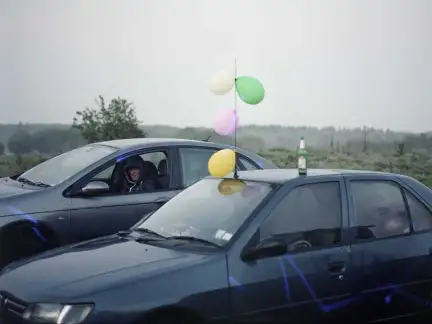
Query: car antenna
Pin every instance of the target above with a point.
(236, 176)
(207, 139)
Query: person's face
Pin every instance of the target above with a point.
(134, 174)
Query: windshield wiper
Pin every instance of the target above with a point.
(124, 233)
(148, 231)
(145, 239)
(31, 183)
(41, 184)
(193, 239)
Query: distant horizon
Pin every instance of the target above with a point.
(337, 128)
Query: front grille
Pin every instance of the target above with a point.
(11, 309)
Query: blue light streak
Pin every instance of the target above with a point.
(19, 212)
(29, 218)
(234, 282)
(393, 289)
(119, 159)
(285, 279)
(388, 299)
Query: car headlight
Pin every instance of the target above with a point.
(57, 314)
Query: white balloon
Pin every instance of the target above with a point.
(222, 82)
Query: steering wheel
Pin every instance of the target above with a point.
(299, 245)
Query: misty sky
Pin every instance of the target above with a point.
(322, 62)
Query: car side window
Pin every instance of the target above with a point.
(194, 163)
(420, 215)
(158, 167)
(248, 165)
(309, 216)
(379, 209)
(105, 174)
(147, 172)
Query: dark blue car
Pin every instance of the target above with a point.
(85, 193)
(272, 247)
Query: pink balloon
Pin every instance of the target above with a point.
(226, 122)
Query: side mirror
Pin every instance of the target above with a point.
(269, 247)
(95, 188)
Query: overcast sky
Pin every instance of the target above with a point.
(322, 62)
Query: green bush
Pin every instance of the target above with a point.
(417, 164)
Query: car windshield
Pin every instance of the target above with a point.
(211, 210)
(62, 167)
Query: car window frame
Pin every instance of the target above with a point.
(71, 190)
(265, 205)
(239, 161)
(113, 166)
(283, 191)
(204, 147)
(420, 200)
(352, 215)
(112, 171)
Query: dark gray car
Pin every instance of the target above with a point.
(84, 193)
(334, 246)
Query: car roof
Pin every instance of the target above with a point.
(131, 143)
(283, 175)
(138, 143)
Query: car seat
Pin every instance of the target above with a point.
(149, 170)
(150, 176)
(163, 173)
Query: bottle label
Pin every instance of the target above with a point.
(302, 144)
(301, 162)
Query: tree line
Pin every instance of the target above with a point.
(116, 119)
(366, 148)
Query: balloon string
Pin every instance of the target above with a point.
(235, 121)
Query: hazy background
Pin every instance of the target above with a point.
(323, 62)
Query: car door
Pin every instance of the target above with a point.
(312, 282)
(391, 247)
(108, 213)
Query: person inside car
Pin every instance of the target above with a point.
(138, 176)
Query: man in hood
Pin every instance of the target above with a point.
(136, 179)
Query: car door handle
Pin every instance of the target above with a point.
(336, 268)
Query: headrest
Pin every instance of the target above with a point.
(163, 167)
(150, 169)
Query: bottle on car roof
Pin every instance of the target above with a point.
(302, 157)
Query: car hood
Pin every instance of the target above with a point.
(76, 271)
(7, 190)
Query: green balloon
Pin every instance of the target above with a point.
(250, 90)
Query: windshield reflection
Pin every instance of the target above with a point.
(62, 167)
(212, 210)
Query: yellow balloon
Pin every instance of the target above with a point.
(221, 163)
(230, 186)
